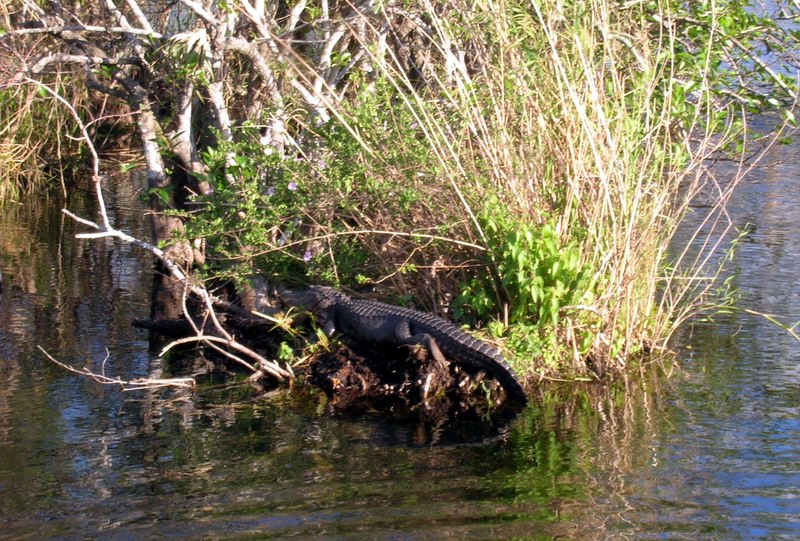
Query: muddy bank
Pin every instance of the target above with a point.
(358, 378)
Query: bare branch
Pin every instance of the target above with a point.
(257, 19)
(264, 364)
(359, 232)
(201, 12)
(324, 62)
(85, 60)
(138, 384)
(92, 150)
(176, 271)
(266, 73)
(139, 14)
(85, 28)
(317, 102)
(106, 230)
(763, 65)
(94, 83)
(294, 16)
(173, 267)
(135, 44)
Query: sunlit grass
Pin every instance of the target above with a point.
(37, 147)
(566, 114)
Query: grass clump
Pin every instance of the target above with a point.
(24, 145)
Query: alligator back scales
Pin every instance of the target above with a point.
(377, 322)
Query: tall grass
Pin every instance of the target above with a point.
(18, 161)
(35, 142)
(37, 136)
(561, 139)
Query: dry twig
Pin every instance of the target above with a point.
(137, 384)
(105, 229)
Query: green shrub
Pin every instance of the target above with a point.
(539, 274)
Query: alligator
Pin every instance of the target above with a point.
(380, 323)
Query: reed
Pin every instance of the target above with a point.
(18, 161)
(37, 147)
(560, 138)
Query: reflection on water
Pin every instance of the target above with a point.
(710, 454)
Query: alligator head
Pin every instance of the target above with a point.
(316, 299)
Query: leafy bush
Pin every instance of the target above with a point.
(539, 274)
(254, 209)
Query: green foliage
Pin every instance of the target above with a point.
(272, 213)
(574, 144)
(722, 55)
(391, 178)
(253, 218)
(540, 272)
(585, 120)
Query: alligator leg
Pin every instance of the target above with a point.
(402, 333)
(328, 322)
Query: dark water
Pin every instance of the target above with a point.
(712, 453)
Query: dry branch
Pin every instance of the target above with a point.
(137, 384)
(105, 229)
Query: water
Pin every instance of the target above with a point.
(710, 453)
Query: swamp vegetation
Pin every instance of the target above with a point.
(517, 167)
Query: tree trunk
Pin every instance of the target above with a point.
(167, 291)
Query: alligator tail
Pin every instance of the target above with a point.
(481, 355)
